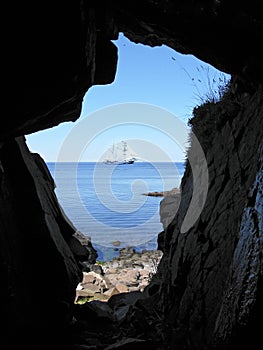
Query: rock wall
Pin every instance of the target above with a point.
(56, 54)
(39, 254)
(208, 291)
(211, 277)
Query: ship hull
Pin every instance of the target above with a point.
(108, 162)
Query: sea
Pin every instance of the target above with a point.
(109, 203)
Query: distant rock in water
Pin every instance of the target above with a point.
(172, 192)
(116, 243)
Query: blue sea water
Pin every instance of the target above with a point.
(107, 202)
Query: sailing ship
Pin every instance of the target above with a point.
(120, 154)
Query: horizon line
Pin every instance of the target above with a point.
(95, 161)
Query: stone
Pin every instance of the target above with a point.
(128, 343)
(89, 291)
(112, 291)
(88, 278)
(121, 312)
(100, 297)
(116, 243)
(88, 253)
(171, 193)
(122, 288)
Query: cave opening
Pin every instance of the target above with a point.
(118, 208)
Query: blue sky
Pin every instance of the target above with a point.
(158, 76)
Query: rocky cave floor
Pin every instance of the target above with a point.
(111, 310)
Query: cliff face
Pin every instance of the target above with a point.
(211, 276)
(208, 290)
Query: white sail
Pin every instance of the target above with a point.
(120, 153)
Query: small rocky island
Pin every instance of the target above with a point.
(174, 191)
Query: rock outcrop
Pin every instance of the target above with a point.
(207, 292)
(171, 193)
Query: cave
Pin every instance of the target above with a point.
(208, 290)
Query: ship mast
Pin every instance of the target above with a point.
(124, 149)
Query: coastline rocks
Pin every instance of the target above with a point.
(130, 272)
(84, 251)
(174, 191)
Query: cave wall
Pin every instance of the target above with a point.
(210, 280)
(211, 276)
(39, 271)
(57, 53)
